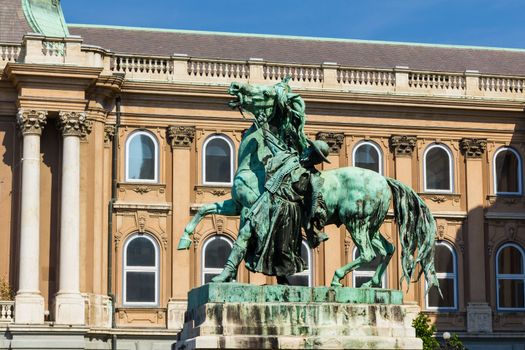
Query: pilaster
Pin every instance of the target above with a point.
(29, 303)
(181, 139)
(479, 313)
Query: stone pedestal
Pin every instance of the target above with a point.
(479, 318)
(241, 316)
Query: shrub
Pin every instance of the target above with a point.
(425, 332)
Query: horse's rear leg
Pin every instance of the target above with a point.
(228, 208)
(385, 249)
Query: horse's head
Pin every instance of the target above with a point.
(252, 98)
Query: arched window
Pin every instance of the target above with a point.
(368, 155)
(141, 271)
(215, 252)
(366, 272)
(303, 278)
(218, 161)
(507, 171)
(510, 277)
(438, 169)
(142, 157)
(446, 272)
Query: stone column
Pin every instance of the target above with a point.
(181, 139)
(29, 303)
(334, 247)
(403, 147)
(69, 304)
(479, 313)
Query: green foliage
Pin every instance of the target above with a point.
(454, 343)
(6, 293)
(425, 332)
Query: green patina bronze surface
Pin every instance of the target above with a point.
(278, 194)
(249, 293)
(45, 17)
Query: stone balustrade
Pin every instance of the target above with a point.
(326, 76)
(7, 311)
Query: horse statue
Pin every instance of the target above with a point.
(355, 197)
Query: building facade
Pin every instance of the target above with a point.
(112, 139)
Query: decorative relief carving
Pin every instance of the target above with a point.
(31, 121)
(473, 148)
(74, 123)
(438, 199)
(142, 189)
(181, 136)
(109, 133)
(218, 192)
(402, 145)
(141, 223)
(333, 139)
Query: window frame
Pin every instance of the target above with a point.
(450, 165)
(520, 174)
(308, 272)
(156, 157)
(232, 160)
(155, 269)
(204, 269)
(509, 276)
(446, 275)
(356, 273)
(375, 146)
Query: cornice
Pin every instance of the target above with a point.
(15, 71)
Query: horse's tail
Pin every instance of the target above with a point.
(417, 232)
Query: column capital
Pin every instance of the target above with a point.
(109, 133)
(181, 136)
(473, 148)
(74, 123)
(31, 121)
(402, 145)
(333, 139)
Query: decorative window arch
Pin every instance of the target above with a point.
(507, 172)
(304, 278)
(445, 260)
(142, 157)
(141, 271)
(438, 169)
(215, 252)
(510, 277)
(366, 272)
(218, 161)
(368, 155)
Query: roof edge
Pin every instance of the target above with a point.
(292, 37)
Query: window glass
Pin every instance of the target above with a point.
(507, 172)
(141, 270)
(510, 261)
(447, 289)
(214, 256)
(367, 156)
(141, 157)
(446, 273)
(437, 169)
(511, 293)
(218, 161)
(443, 259)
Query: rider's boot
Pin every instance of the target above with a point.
(232, 264)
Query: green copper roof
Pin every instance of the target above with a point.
(45, 17)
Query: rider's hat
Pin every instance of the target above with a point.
(321, 148)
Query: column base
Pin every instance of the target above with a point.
(29, 308)
(479, 318)
(176, 310)
(69, 309)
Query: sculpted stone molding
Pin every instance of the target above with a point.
(181, 136)
(109, 133)
(74, 124)
(31, 121)
(333, 139)
(473, 148)
(403, 145)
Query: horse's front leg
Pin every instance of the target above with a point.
(228, 208)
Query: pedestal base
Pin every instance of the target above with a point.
(69, 309)
(29, 308)
(236, 316)
(479, 318)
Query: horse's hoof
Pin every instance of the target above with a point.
(184, 243)
(335, 284)
(224, 277)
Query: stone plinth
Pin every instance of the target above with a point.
(241, 316)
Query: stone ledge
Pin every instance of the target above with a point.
(248, 293)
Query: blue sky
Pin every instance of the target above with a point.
(498, 23)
